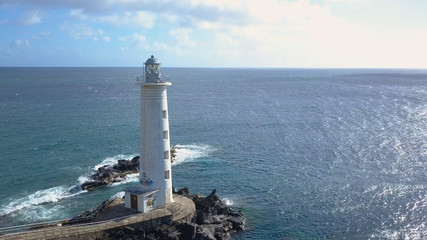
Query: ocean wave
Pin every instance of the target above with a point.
(82, 179)
(129, 178)
(184, 153)
(227, 201)
(190, 152)
(110, 161)
(49, 195)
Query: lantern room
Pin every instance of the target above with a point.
(152, 70)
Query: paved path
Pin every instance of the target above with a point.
(116, 216)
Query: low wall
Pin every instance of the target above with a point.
(182, 209)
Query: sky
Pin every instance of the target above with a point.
(214, 33)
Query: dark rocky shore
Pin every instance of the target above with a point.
(107, 174)
(213, 220)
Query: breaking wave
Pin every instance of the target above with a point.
(187, 153)
(129, 178)
(50, 195)
(184, 153)
(110, 161)
(227, 201)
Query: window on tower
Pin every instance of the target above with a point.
(165, 134)
(167, 174)
(166, 155)
(165, 114)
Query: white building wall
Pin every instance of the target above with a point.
(155, 140)
(127, 199)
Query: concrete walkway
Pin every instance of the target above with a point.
(116, 215)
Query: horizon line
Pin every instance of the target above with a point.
(207, 67)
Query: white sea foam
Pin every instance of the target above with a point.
(109, 161)
(50, 195)
(190, 152)
(227, 201)
(83, 179)
(113, 160)
(184, 153)
(129, 178)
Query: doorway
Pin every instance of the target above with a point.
(134, 201)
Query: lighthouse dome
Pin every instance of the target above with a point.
(152, 70)
(152, 60)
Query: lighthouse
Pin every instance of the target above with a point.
(155, 175)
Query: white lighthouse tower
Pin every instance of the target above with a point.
(155, 175)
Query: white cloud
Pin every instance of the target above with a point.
(277, 33)
(83, 31)
(139, 18)
(106, 39)
(78, 13)
(168, 18)
(297, 33)
(226, 40)
(21, 43)
(347, 1)
(136, 39)
(250, 32)
(78, 31)
(31, 17)
(158, 46)
(182, 37)
(42, 35)
(100, 37)
(140, 41)
(124, 49)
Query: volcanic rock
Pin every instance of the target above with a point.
(108, 174)
(214, 221)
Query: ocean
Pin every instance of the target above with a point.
(304, 153)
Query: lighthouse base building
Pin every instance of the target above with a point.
(155, 175)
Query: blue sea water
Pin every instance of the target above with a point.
(304, 153)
